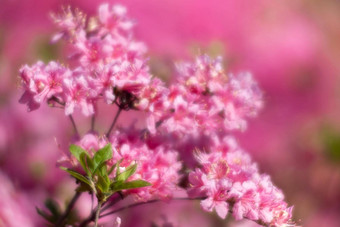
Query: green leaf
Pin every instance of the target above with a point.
(127, 173)
(77, 175)
(102, 169)
(45, 215)
(83, 157)
(117, 167)
(118, 186)
(87, 163)
(136, 184)
(53, 207)
(102, 155)
(103, 184)
(76, 151)
(330, 139)
(111, 169)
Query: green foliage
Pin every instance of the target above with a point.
(76, 151)
(127, 173)
(102, 155)
(330, 138)
(52, 213)
(97, 176)
(77, 175)
(86, 162)
(119, 185)
(43, 49)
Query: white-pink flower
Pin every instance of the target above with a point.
(228, 176)
(205, 98)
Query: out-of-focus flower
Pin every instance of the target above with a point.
(15, 207)
(159, 166)
(229, 176)
(109, 64)
(204, 98)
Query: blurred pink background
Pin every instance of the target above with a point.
(291, 47)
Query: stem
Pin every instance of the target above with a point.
(88, 220)
(74, 125)
(114, 122)
(147, 202)
(92, 201)
(93, 212)
(68, 209)
(92, 216)
(93, 120)
(97, 213)
(111, 203)
(157, 200)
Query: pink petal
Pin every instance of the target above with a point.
(222, 209)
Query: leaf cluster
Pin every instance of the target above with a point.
(97, 175)
(53, 213)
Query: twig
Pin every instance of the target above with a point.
(92, 201)
(68, 209)
(97, 213)
(114, 122)
(74, 125)
(111, 203)
(93, 120)
(147, 202)
(92, 216)
(93, 212)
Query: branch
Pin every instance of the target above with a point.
(97, 213)
(93, 121)
(68, 209)
(114, 122)
(93, 212)
(147, 202)
(55, 99)
(74, 125)
(92, 217)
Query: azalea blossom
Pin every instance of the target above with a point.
(203, 102)
(232, 183)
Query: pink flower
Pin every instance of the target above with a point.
(114, 18)
(78, 94)
(41, 82)
(220, 205)
(15, 208)
(227, 175)
(158, 166)
(110, 64)
(204, 102)
(117, 222)
(205, 98)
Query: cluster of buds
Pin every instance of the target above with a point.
(108, 64)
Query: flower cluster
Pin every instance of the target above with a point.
(109, 64)
(14, 209)
(204, 101)
(158, 166)
(205, 98)
(231, 182)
